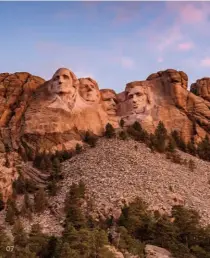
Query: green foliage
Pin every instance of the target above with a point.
(40, 200)
(109, 131)
(74, 213)
(1, 202)
(4, 242)
(37, 241)
(78, 148)
(160, 137)
(123, 135)
(204, 149)
(137, 132)
(122, 122)
(191, 148)
(179, 141)
(11, 211)
(27, 207)
(90, 139)
(171, 145)
(20, 236)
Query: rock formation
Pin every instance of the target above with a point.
(46, 116)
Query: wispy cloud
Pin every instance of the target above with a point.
(160, 60)
(127, 62)
(185, 46)
(205, 62)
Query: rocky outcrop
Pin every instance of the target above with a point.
(202, 88)
(39, 116)
(152, 251)
(164, 96)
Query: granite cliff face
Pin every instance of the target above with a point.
(39, 116)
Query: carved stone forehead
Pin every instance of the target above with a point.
(136, 89)
(108, 92)
(88, 81)
(62, 71)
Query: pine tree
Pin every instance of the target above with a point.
(122, 123)
(1, 202)
(160, 137)
(191, 148)
(78, 148)
(109, 131)
(37, 241)
(136, 126)
(123, 135)
(171, 145)
(68, 252)
(11, 211)
(204, 149)
(20, 236)
(40, 200)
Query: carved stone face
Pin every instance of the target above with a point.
(109, 99)
(63, 86)
(89, 90)
(137, 98)
(63, 83)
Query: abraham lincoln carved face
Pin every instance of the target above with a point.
(138, 98)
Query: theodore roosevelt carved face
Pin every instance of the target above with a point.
(109, 100)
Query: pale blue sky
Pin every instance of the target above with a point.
(113, 42)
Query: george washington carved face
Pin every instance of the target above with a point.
(109, 98)
(89, 90)
(64, 85)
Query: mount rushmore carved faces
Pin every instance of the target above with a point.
(64, 86)
(109, 98)
(89, 90)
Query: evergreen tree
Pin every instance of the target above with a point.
(179, 141)
(136, 126)
(191, 148)
(171, 145)
(123, 135)
(160, 137)
(11, 211)
(37, 241)
(122, 123)
(27, 207)
(204, 149)
(78, 148)
(20, 236)
(68, 252)
(1, 202)
(90, 139)
(40, 200)
(109, 131)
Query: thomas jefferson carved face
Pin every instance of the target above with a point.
(138, 98)
(89, 90)
(109, 98)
